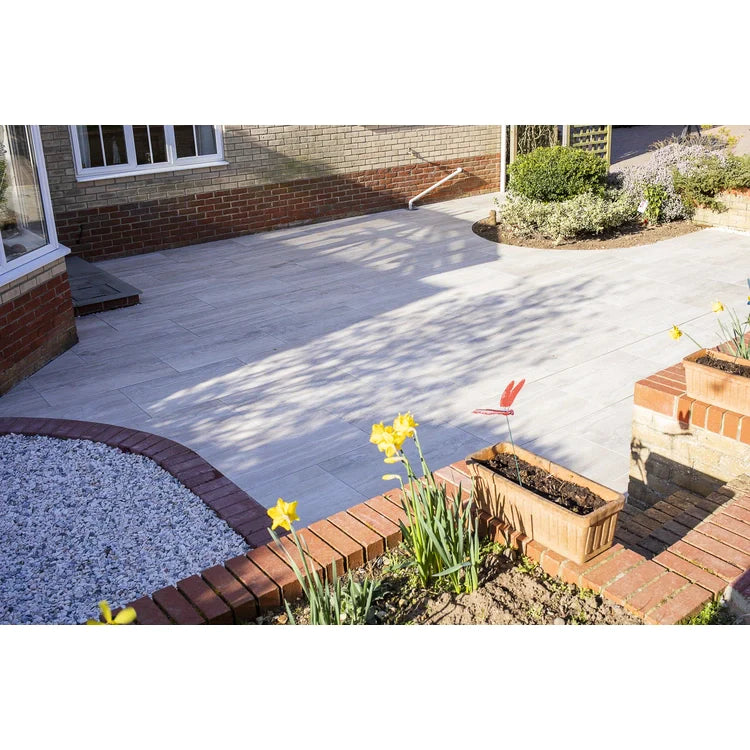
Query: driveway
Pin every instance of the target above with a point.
(272, 354)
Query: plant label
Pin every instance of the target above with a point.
(642, 206)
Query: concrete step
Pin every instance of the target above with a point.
(95, 290)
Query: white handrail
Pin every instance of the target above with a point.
(430, 189)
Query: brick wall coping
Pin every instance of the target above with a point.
(674, 585)
(664, 392)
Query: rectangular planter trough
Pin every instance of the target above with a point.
(579, 538)
(712, 386)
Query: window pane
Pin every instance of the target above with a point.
(114, 144)
(154, 152)
(206, 137)
(158, 143)
(184, 141)
(22, 224)
(90, 146)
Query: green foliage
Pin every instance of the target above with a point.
(709, 176)
(442, 539)
(345, 601)
(714, 613)
(557, 173)
(586, 214)
(735, 334)
(656, 195)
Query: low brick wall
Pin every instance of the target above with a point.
(737, 215)
(121, 229)
(36, 322)
(680, 443)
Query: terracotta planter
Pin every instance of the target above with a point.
(579, 538)
(712, 386)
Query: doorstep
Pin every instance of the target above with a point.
(94, 290)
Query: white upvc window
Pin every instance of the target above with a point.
(28, 239)
(102, 151)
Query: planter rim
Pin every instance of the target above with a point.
(614, 501)
(718, 354)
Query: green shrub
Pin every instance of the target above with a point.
(656, 195)
(557, 173)
(585, 214)
(707, 177)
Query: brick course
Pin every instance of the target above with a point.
(737, 215)
(36, 322)
(301, 174)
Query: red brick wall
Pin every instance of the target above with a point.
(131, 228)
(35, 327)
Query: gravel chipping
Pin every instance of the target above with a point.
(81, 522)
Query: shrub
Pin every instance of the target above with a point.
(585, 214)
(557, 173)
(708, 176)
(658, 171)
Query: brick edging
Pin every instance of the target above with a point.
(243, 514)
(663, 590)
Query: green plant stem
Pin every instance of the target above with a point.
(515, 457)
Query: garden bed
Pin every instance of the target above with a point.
(511, 592)
(82, 521)
(630, 235)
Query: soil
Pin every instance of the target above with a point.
(511, 592)
(719, 364)
(580, 500)
(629, 235)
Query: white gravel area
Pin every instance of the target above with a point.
(81, 521)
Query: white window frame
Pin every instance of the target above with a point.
(173, 164)
(13, 269)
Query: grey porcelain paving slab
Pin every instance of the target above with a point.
(90, 284)
(280, 350)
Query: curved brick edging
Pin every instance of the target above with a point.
(242, 513)
(677, 583)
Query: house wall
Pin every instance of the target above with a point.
(276, 176)
(36, 322)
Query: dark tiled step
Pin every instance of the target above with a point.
(94, 290)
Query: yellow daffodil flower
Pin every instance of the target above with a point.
(717, 307)
(394, 460)
(675, 333)
(387, 439)
(124, 617)
(388, 477)
(405, 424)
(283, 514)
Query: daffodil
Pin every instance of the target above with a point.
(283, 514)
(123, 617)
(387, 439)
(405, 424)
(389, 477)
(717, 307)
(675, 333)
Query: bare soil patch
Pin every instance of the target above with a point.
(630, 235)
(580, 500)
(719, 364)
(511, 592)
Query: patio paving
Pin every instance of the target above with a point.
(272, 354)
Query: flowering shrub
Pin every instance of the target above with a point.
(585, 214)
(659, 170)
(708, 176)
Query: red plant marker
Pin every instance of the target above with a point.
(506, 401)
